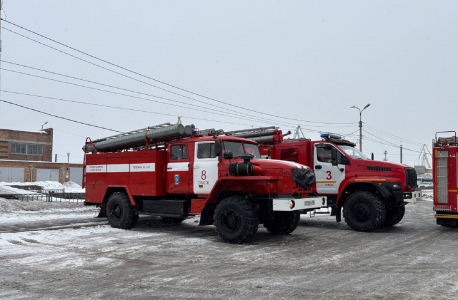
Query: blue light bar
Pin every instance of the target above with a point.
(331, 136)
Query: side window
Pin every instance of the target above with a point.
(291, 154)
(206, 150)
(323, 153)
(178, 152)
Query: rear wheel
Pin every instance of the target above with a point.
(364, 211)
(120, 212)
(283, 222)
(236, 220)
(394, 214)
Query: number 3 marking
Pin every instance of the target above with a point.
(329, 175)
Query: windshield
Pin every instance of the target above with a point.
(240, 149)
(353, 152)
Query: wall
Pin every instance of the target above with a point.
(30, 168)
(44, 138)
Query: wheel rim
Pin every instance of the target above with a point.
(116, 211)
(361, 212)
(231, 220)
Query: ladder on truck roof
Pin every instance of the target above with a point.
(157, 134)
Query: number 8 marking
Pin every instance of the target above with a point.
(204, 175)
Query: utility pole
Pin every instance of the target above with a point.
(401, 153)
(361, 126)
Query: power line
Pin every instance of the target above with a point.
(150, 100)
(153, 79)
(387, 134)
(59, 117)
(118, 107)
(244, 116)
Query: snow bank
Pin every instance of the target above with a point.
(7, 205)
(70, 187)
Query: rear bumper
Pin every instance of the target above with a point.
(408, 197)
(291, 204)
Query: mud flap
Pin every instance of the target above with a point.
(337, 211)
(102, 211)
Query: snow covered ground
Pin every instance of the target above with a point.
(60, 251)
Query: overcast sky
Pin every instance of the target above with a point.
(259, 63)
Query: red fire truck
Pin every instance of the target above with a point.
(445, 179)
(373, 194)
(175, 171)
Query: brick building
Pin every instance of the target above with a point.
(27, 157)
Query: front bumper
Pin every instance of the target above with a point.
(291, 204)
(408, 197)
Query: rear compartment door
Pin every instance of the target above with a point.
(205, 171)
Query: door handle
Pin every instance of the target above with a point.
(318, 167)
(342, 169)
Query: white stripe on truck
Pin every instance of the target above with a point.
(121, 168)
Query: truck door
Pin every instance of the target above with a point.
(178, 170)
(328, 177)
(205, 172)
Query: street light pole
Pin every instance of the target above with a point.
(361, 126)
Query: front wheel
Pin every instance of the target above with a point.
(364, 211)
(394, 214)
(120, 212)
(236, 220)
(283, 222)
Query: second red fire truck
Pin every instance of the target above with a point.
(372, 194)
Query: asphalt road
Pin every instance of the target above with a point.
(415, 259)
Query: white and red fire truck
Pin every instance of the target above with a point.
(445, 179)
(373, 194)
(173, 171)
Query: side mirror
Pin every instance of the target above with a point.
(343, 160)
(372, 156)
(228, 155)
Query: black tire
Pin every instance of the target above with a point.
(168, 220)
(394, 214)
(120, 212)
(282, 222)
(236, 220)
(364, 211)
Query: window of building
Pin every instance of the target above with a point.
(29, 149)
(18, 148)
(178, 152)
(34, 149)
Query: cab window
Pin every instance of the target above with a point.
(206, 150)
(323, 153)
(178, 152)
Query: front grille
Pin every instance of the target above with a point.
(411, 177)
(383, 169)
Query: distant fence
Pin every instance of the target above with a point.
(45, 195)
